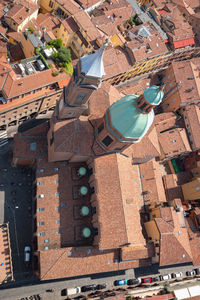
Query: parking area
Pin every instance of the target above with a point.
(16, 209)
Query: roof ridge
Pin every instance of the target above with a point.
(121, 198)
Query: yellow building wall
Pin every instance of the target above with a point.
(191, 190)
(44, 4)
(12, 41)
(61, 33)
(152, 231)
(116, 41)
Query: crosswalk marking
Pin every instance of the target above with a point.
(3, 138)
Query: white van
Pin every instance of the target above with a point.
(73, 291)
(27, 255)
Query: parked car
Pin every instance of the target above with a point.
(147, 280)
(73, 291)
(89, 287)
(120, 282)
(191, 273)
(165, 277)
(134, 281)
(101, 286)
(177, 275)
(197, 271)
(27, 255)
(155, 279)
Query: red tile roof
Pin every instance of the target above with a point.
(184, 43)
(124, 198)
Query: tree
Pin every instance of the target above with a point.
(57, 43)
(64, 55)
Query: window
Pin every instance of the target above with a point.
(100, 128)
(46, 241)
(40, 223)
(40, 170)
(80, 98)
(40, 196)
(58, 232)
(33, 146)
(56, 181)
(56, 169)
(92, 190)
(57, 194)
(42, 234)
(57, 221)
(107, 141)
(50, 4)
(57, 207)
(63, 204)
(40, 209)
(46, 248)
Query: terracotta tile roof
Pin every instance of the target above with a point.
(182, 29)
(84, 21)
(88, 3)
(137, 88)
(187, 75)
(73, 136)
(71, 6)
(47, 21)
(77, 261)
(194, 241)
(105, 25)
(165, 121)
(55, 262)
(146, 149)
(3, 29)
(174, 240)
(119, 64)
(107, 94)
(22, 142)
(16, 53)
(191, 115)
(151, 180)
(60, 219)
(70, 25)
(174, 142)
(173, 182)
(131, 253)
(13, 87)
(117, 230)
(17, 36)
(20, 12)
(151, 46)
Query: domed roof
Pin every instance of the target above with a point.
(153, 95)
(129, 121)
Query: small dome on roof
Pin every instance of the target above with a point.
(153, 95)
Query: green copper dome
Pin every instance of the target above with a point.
(153, 95)
(128, 120)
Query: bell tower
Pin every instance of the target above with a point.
(87, 77)
(126, 121)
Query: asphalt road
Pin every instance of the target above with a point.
(16, 202)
